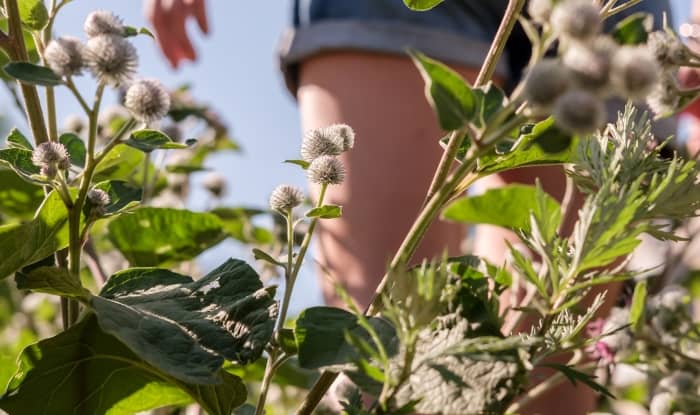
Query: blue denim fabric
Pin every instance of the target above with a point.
(456, 31)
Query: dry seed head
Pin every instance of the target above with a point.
(545, 82)
(540, 10)
(577, 19)
(318, 142)
(579, 112)
(326, 170)
(98, 197)
(111, 58)
(667, 48)
(73, 123)
(147, 100)
(52, 153)
(635, 71)
(342, 133)
(285, 198)
(590, 63)
(215, 183)
(664, 98)
(65, 56)
(103, 22)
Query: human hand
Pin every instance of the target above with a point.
(168, 18)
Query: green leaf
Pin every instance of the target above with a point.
(20, 160)
(301, 163)
(151, 236)
(507, 206)
(27, 243)
(76, 148)
(544, 144)
(633, 29)
(637, 308)
(17, 140)
(84, 370)
(122, 196)
(187, 328)
(320, 335)
(238, 225)
(325, 212)
(261, 255)
(130, 31)
(126, 163)
(447, 92)
(31, 74)
(51, 280)
(288, 342)
(421, 5)
(576, 376)
(18, 197)
(490, 99)
(149, 140)
(33, 14)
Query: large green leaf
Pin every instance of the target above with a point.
(122, 195)
(544, 144)
(187, 328)
(238, 224)
(19, 160)
(26, 243)
(86, 371)
(447, 92)
(321, 336)
(18, 198)
(126, 163)
(31, 74)
(151, 236)
(421, 5)
(507, 206)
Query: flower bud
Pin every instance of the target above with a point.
(98, 197)
(342, 133)
(51, 153)
(65, 56)
(215, 183)
(318, 142)
(667, 48)
(103, 22)
(577, 19)
(285, 197)
(49, 170)
(545, 82)
(147, 100)
(661, 404)
(590, 64)
(111, 58)
(635, 71)
(326, 170)
(664, 98)
(540, 10)
(579, 112)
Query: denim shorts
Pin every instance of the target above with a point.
(456, 32)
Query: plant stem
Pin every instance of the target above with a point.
(457, 137)
(267, 379)
(17, 50)
(144, 181)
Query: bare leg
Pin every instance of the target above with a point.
(390, 168)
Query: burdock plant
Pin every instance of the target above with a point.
(140, 333)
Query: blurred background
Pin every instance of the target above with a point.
(237, 74)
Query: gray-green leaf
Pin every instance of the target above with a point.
(187, 328)
(149, 140)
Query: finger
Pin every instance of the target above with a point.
(198, 10)
(161, 19)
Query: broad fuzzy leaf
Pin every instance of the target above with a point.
(187, 328)
(84, 370)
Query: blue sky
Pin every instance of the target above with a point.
(237, 73)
